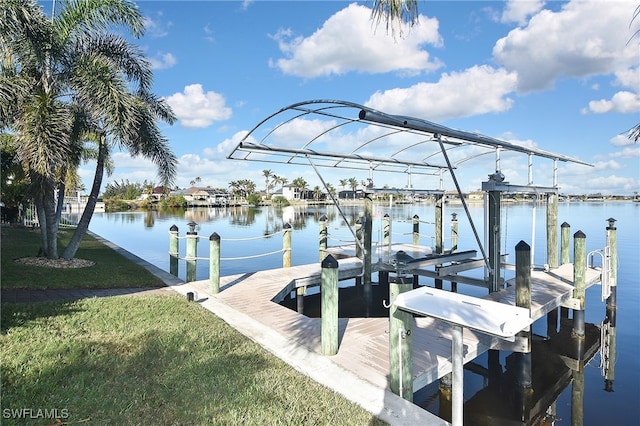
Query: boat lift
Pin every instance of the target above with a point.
(336, 134)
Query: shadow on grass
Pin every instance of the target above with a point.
(19, 314)
(154, 360)
(111, 269)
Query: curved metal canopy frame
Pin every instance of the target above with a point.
(342, 134)
(345, 135)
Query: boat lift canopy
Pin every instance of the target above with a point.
(345, 135)
(341, 134)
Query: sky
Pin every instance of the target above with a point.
(559, 76)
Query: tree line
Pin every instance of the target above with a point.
(242, 189)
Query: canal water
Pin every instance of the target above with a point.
(602, 390)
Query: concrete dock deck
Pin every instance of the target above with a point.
(363, 354)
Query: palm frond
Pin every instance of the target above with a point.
(86, 18)
(394, 13)
(145, 138)
(634, 133)
(42, 135)
(123, 56)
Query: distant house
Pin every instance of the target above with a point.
(476, 196)
(351, 195)
(204, 196)
(293, 193)
(157, 193)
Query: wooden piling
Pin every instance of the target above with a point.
(191, 255)
(609, 346)
(329, 305)
(286, 245)
(457, 374)
(612, 249)
(523, 299)
(579, 281)
(552, 230)
(565, 248)
(400, 342)
(577, 397)
(439, 237)
(174, 250)
(523, 275)
(439, 216)
(454, 232)
(359, 238)
(214, 263)
(368, 237)
(454, 244)
(416, 230)
(386, 233)
(323, 236)
(359, 231)
(494, 201)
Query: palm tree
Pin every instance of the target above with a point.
(353, 184)
(65, 82)
(344, 183)
(234, 186)
(267, 175)
(331, 189)
(282, 181)
(301, 185)
(317, 192)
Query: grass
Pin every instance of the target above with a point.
(139, 360)
(152, 360)
(111, 268)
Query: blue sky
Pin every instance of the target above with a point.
(559, 76)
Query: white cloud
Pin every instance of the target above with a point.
(584, 38)
(477, 90)
(226, 146)
(519, 11)
(298, 132)
(624, 102)
(163, 61)
(208, 33)
(620, 140)
(347, 42)
(611, 184)
(628, 77)
(215, 173)
(156, 27)
(608, 165)
(195, 108)
(628, 152)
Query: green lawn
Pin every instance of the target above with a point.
(151, 360)
(111, 268)
(139, 360)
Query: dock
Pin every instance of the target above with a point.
(432, 342)
(364, 342)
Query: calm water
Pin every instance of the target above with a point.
(146, 234)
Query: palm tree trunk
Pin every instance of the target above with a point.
(42, 220)
(50, 221)
(59, 205)
(89, 208)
